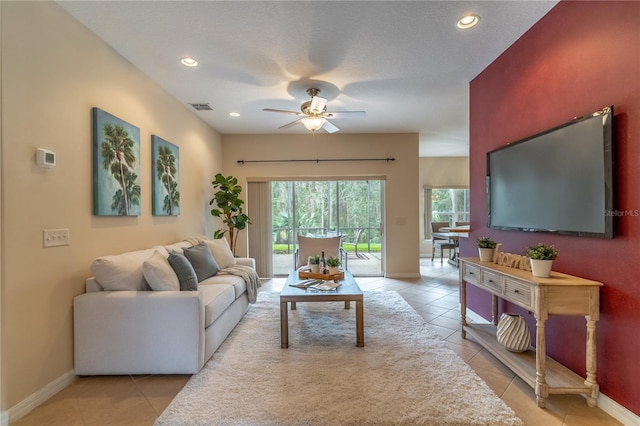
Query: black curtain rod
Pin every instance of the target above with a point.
(317, 160)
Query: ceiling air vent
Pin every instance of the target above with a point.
(202, 107)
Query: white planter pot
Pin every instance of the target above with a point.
(315, 269)
(486, 254)
(541, 268)
(334, 270)
(513, 333)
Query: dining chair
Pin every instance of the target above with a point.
(440, 242)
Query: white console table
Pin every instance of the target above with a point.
(560, 294)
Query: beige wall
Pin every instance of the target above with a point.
(53, 71)
(401, 204)
(439, 172)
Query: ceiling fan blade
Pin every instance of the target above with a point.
(282, 110)
(345, 114)
(318, 105)
(293, 123)
(329, 127)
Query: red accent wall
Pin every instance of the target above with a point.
(579, 57)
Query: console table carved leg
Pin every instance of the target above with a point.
(591, 362)
(542, 389)
(494, 310)
(463, 307)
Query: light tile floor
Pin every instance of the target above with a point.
(138, 400)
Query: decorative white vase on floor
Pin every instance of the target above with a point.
(513, 333)
(486, 254)
(541, 268)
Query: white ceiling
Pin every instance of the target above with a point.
(403, 62)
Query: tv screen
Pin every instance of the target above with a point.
(557, 181)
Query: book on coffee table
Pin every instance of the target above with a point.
(325, 286)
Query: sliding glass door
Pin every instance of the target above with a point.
(350, 208)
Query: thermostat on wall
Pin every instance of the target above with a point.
(45, 158)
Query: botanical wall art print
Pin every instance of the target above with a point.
(116, 166)
(165, 165)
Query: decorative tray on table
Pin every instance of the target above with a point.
(327, 277)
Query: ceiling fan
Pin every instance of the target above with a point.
(314, 114)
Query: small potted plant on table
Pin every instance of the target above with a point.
(486, 247)
(541, 257)
(334, 265)
(314, 264)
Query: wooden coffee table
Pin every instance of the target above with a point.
(347, 292)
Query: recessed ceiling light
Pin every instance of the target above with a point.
(189, 62)
(234, 114)
(468, 21)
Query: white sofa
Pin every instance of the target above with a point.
(122, 326)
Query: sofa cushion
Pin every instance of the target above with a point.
(123, 271)
(238, 284)
(202, 261)
(183, 269)
(216, 299)
(159, 274)
(179, 246)
(221, 252)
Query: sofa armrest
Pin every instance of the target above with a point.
(246, 261)
(138, 332)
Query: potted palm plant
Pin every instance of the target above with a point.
(541, 257)
(229, 208)
(486, 247)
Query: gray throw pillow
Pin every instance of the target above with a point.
(202, 261)
(186, 275)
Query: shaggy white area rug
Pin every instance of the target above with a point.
(405, 374)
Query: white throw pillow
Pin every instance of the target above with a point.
(159, 273)
(221, 252)
(123, 271)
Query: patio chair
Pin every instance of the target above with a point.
(311, 246)
(354, 243)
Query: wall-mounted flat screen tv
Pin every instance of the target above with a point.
(557, 181)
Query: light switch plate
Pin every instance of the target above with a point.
(55, 237)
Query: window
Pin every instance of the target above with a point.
(445, 205)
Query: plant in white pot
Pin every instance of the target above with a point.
(541, 257)
(486, 247)
(334, 265)
(314, 264)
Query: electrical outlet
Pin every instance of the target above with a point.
(55, 237)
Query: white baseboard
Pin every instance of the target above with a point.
(605, 403)
(32, 401)
(617, 411)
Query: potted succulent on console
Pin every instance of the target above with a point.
(486, 247)
(229, 208)
(542, 256)
(334, 265)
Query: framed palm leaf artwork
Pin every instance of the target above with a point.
(116, 166)
(165, 158)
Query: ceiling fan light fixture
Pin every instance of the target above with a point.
(189, 62)
(313, 123)
(468, 21)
